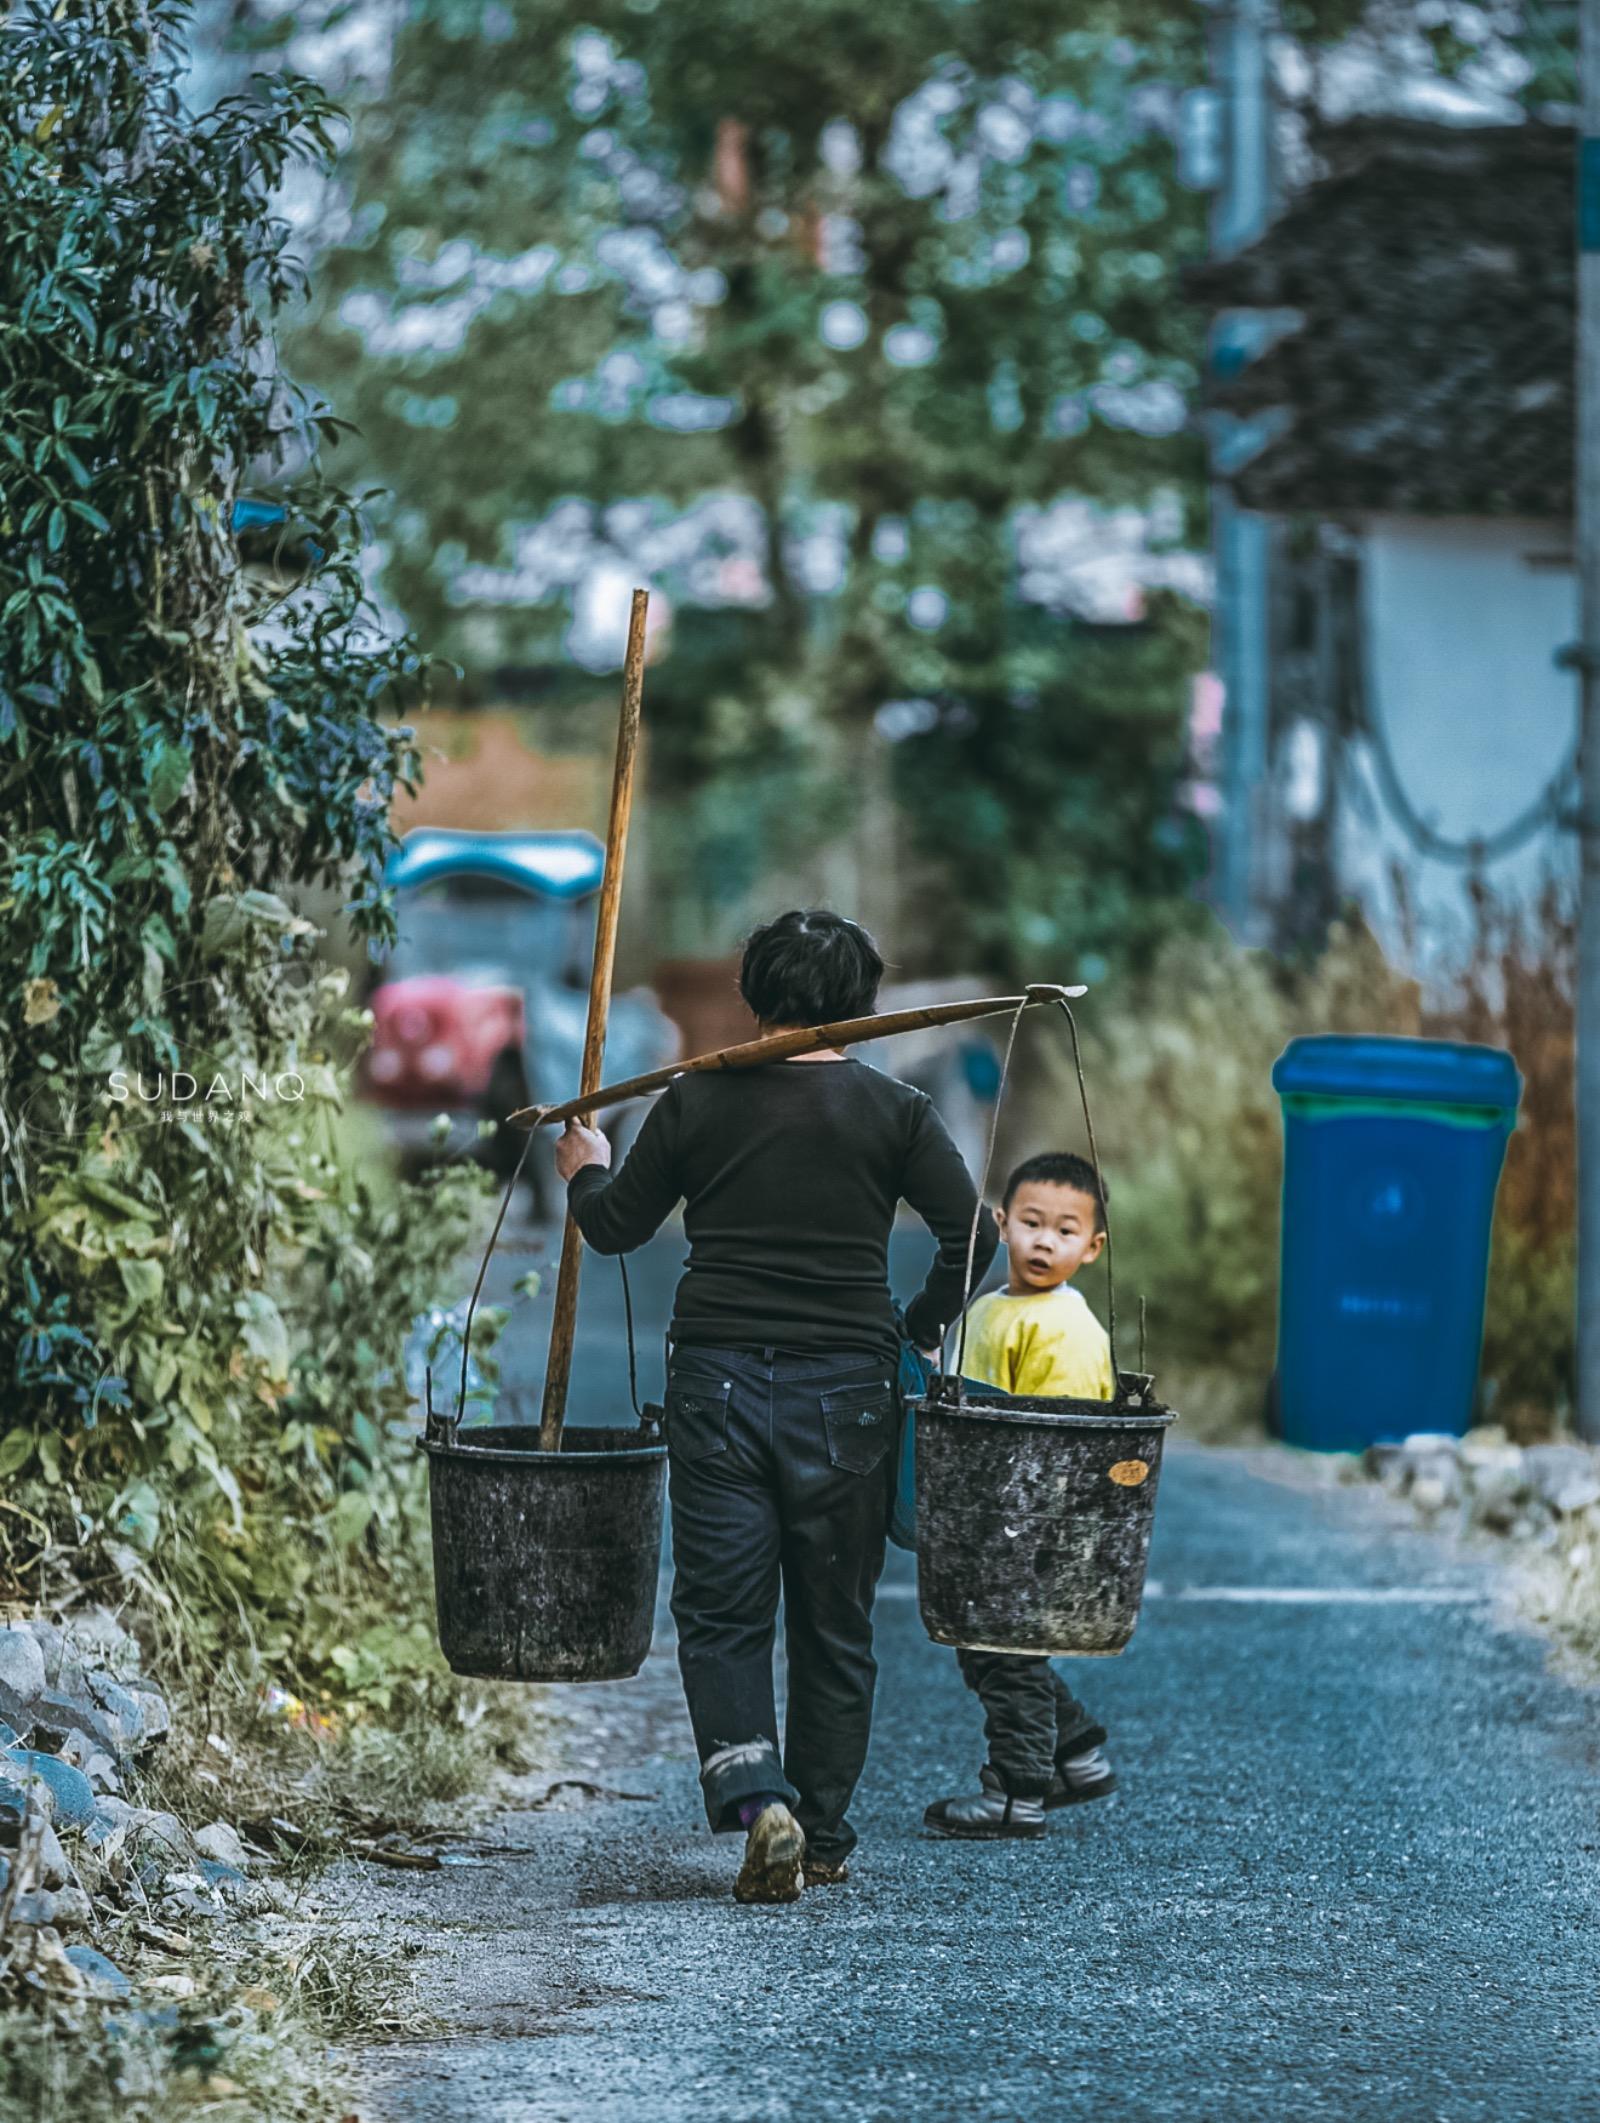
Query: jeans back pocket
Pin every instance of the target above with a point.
(859, 1421)
(697, 1417)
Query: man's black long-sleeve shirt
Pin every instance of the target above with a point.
(790, 1175)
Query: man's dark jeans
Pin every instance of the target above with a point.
(780, 1466)
(1031, 1718)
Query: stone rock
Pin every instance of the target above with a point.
(1430, 1444)
(68, 1908)
(21, 1664)
(162, 1839)
(1566, 1477)
(1578, 1493)
(1498, 1491)
(120, 1707)
(111, 1816)
(102, 1772)
(70, 1801)
(51, 1859)
(13, 1808)
(1492, 1433)
(102, 1975)
(99, 1639)
(155, 1717)
(1481, 1459)
(124, 1707)
(64, 1666)
(187, 1895)
(90, 1640)
(1435, 1472)
(1387, 1463)
(1436, 1476)
(73, 1910)
(17, 1718)
(171, 1986)
(1432, 1491)
(5, 1872)
(244, 1897)
(57, 1717)
(221, 1842)
(48, 1637)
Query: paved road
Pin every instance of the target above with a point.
(1352, 1873)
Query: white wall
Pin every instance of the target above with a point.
(1462, 619)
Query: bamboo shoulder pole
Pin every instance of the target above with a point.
(780, 1046)
(558, 1371)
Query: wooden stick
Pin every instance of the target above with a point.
(558, 1372)
(779, 1046)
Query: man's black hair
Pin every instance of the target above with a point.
(810, 967)
(1060, 1168)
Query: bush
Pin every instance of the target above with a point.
(202, 1302)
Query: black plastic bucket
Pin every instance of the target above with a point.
(546, 1563)
(1034, 1517)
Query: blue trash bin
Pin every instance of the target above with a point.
(1392, 1153)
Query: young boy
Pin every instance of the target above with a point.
(1035, 1337)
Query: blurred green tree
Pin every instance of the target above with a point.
(817, 312)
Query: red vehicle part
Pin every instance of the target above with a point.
(436, 1040)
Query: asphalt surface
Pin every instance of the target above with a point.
(1352, 1870)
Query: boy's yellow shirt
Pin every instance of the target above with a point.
(1047, 1342)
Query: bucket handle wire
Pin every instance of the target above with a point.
(483, 1270)
(983, 1182)
(449, 1425)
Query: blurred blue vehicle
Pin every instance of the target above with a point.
(483, 1002)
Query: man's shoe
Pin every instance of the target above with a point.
(774, 1858)
(990, 1815)
(825, 1872)
(1078, 1777)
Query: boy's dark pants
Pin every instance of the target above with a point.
(1031, 1719)
(779, 1470)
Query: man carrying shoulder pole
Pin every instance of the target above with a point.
(780, 1409)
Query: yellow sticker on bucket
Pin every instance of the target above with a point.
(1128, 1474)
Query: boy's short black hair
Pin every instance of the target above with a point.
(1060, 1168)
(810, 967)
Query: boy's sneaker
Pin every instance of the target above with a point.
(989, 1815)
(1080, 1776)
(774, 1858)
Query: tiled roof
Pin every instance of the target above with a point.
(1430, 369)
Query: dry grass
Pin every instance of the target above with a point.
(344, 1988)
(410, 1772)
(218, 2058)
(1215, 1406)
(1517, 992)
(438, 1760)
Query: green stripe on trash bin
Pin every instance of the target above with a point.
(1310, 1105)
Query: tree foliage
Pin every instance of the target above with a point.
(178, 741)
(845, 291)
